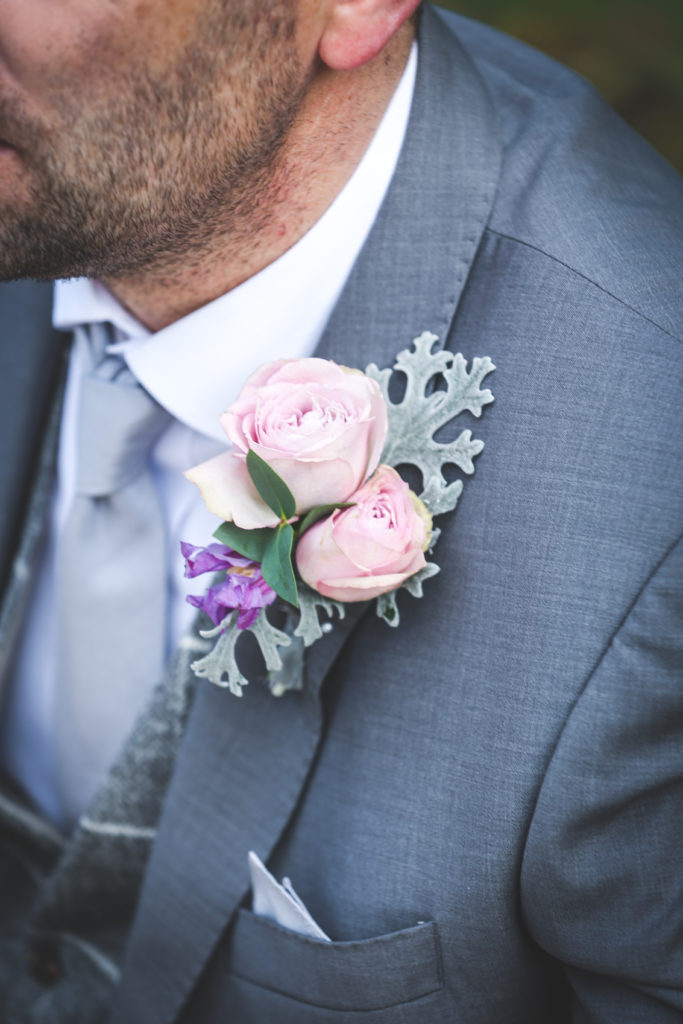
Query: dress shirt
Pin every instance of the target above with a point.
(194, 368)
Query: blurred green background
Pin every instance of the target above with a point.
(631, 51)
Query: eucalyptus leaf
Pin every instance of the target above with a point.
(250, 543)
(277, 564)
(270, 486)
(320, 512)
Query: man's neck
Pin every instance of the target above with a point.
(338, 118)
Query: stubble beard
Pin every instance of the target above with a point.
(147, 177)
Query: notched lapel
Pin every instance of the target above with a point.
(30, 358)
(32, 371)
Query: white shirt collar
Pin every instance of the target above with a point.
(196, 366)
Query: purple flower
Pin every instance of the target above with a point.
(243, 588)
(211, 559)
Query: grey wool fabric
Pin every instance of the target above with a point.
(66, 905)
(73, 902)
(483, 807)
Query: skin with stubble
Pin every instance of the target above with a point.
(142, 161)
(175, 147)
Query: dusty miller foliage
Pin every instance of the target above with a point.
(414, 421)
(282, 650)
(438, 387)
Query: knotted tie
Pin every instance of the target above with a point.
(110, 581)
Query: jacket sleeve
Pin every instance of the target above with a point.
(602, 871)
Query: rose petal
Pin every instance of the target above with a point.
(361, 552)
(228, 492)
(360, 588)
(320, 426)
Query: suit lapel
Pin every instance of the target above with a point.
(32, 367)
(243, 763)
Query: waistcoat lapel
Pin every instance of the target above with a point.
(94, 888)
(243, 763)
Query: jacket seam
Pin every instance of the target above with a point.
(584, 277)
(582, 690)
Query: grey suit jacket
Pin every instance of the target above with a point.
(482, 808)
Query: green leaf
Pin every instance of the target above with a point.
(277, 564)
(270, 486)
(250, 543)
(319, 512)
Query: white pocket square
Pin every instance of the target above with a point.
(280, 903)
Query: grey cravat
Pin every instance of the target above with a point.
(110, 582)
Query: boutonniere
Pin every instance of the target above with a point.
(312, 508)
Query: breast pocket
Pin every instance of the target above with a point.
(265, 973)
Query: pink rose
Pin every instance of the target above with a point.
(320, 426)
(372, 547)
